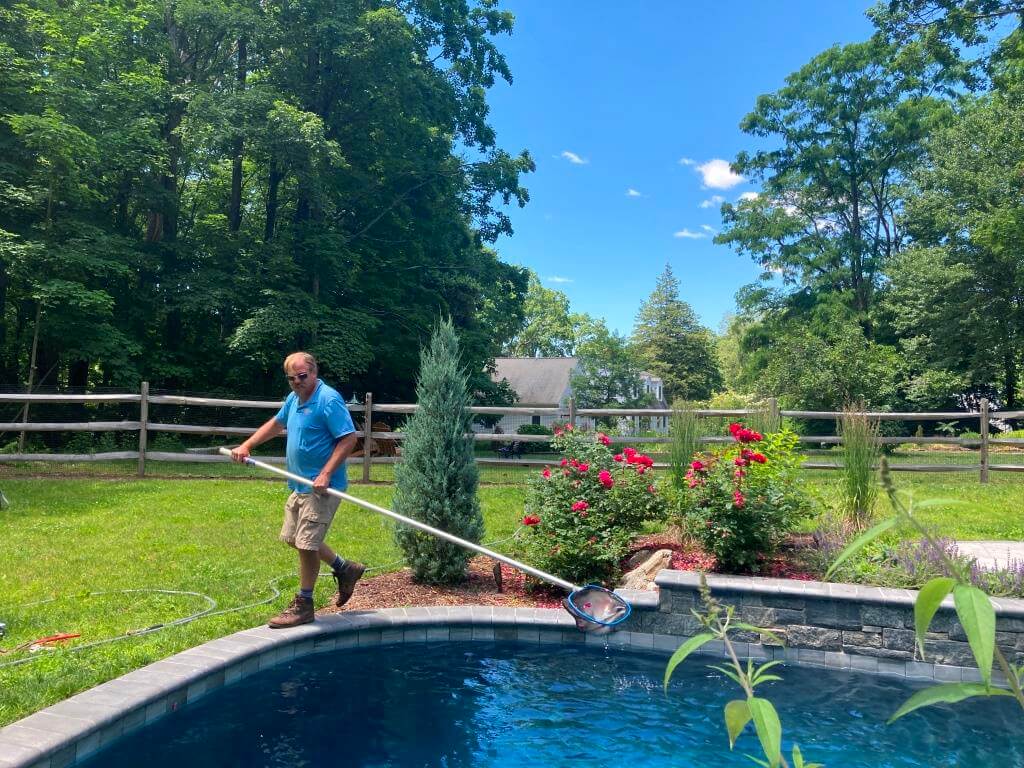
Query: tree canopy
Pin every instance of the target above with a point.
(188, 190)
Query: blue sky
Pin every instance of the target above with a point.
(611, 97)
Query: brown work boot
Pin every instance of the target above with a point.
(347, 577)
(299, 612)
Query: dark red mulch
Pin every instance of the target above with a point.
(398, 590)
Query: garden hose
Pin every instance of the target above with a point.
(206, 613)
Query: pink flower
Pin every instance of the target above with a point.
(583, 513)
(565, 462)
(697, 466)
(739, 461)
(738, 499)
(651, 489)
(546, 473)
(617, 457)
(603, 439)
(558, 431)
(630, 453)
(604, 477)
(580, 506)
(641, 469)
(531, 520)
(583, 467)
(738, 474)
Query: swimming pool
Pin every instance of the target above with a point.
(502, 704)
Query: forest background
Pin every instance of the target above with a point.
(188, 190)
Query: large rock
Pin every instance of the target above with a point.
(642, 577)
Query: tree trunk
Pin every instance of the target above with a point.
(1010, 380)
(235, 205)
(276, 176)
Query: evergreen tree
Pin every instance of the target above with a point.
(673, 345)
(436, 481)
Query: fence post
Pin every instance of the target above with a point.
(572, 412)
(774, 420)
(143, 421)
(367, 440)
(984, 440)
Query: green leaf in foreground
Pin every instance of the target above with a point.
(928, 601)
(860, 542)
(948, 693)
(978, 617)
(768, 727)
(737, 715)
(685, 650)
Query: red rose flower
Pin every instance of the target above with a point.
(603, 439)
(580, 506)
(604, 477)
(531, 520)
(546, 473)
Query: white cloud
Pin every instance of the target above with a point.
(633, 193)
(687, 161)
(718, 175)
(712, 202)
(749, 196)
(709, 230)
(687, 234)
(558, 279)
(573, 158)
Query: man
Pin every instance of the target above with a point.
(320, 437)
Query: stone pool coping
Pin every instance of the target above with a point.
(74, 729)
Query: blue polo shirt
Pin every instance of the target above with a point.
(314, 427)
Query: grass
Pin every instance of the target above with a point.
(62, 540)
(974, 511)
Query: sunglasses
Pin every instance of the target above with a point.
(297, 377)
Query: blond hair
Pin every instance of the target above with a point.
(297, 357)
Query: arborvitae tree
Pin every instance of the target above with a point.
(673, 344)
(436, 481)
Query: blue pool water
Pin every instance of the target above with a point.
(476, 704)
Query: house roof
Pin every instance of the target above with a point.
(540, 381)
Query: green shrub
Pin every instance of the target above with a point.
(535, 429)
(742, 500)
(436, 481)
(861, 451)
(584, 512)
(684, 430)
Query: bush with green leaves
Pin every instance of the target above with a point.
(534, 429)
(583, 512)
(742, 500)
(436, 481)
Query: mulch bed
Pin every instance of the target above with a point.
(398, 590)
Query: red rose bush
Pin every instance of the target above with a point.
(583, 511)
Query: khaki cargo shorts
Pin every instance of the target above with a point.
(307, 516)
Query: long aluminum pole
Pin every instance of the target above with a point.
(566, 585)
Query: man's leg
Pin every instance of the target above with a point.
(309, 569)
(327, 555)
(300, 611)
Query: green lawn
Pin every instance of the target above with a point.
(975, 511)
(61, 540)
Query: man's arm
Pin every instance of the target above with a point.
(342, 449)
(272, 428)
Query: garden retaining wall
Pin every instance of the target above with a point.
(845, 626)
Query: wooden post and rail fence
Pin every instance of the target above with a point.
(364, 413)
